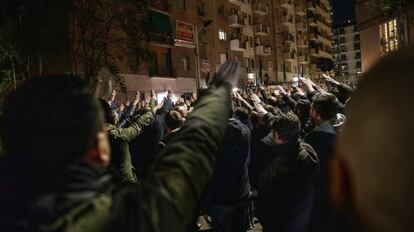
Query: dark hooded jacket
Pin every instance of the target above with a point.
(286, 188)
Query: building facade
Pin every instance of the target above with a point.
(348, 66)
(274, 39)
(381, 31)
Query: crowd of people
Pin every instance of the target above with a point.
(73, 162)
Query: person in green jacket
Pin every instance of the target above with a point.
(54, 172)
(119, 139)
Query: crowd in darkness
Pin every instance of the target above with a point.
(298, 157)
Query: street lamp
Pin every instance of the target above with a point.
(197, 51)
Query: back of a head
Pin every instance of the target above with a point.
(287, 127)
(326, 104)
(376, 145)
(109, 113)
(302, 109)
(47, 123)
(173, 120)
(242, 114)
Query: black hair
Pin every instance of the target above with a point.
(326, 104)
(302, 109)
(173, 120)
(109, 113)
(47, 123)
(241, 113)
(287, 127)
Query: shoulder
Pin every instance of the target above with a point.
(307, 153)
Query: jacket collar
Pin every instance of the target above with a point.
(326, 127)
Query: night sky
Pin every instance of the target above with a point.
(343, 10)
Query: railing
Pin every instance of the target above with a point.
(261, 29)
(236, 20)
(260, 8)
(161, 38)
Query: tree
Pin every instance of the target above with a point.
(77, 36)
(101, 31)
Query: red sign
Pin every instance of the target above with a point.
(184, 34)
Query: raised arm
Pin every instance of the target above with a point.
(186, 165)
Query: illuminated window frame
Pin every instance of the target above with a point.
(389, 36)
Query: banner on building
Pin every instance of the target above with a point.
(184, 34)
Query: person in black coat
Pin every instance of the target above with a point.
(227, 201)
(324, 115)
(286, 186)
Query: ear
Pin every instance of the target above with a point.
(340, 184)
(99, 154)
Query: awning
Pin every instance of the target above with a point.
(160, 22)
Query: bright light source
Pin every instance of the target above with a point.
(251, 76)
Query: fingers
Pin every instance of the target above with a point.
(229, 68)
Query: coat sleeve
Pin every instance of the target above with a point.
(135, 129)
(172, 191)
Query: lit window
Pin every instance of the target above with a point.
(185, 62)
(389, 36)
(222, 34)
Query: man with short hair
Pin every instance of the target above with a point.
(324, 115)
(372, 174)
(54, 173)
(119, 138)
(286, 186)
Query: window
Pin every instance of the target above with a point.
(358, 65)
(185, 62)
(223, 58)
(181, 4)
(221, 10)
(389, 36)
(222, 34)
(201, 11)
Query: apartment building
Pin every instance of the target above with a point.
(347, 51)
(383, 32)
(281, 39)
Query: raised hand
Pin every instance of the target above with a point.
(330, 79)
(229, 72)
(306, 85)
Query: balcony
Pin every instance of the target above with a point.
(287, 4)
(311, 6)
(314, 52)
(322, 11)
(303, 59)
(237, 2)
(288, 37)
(302, 43)
(325, 39)
(300, 26)
(260, 9)
(289, 56)
(301, 11)
(313, 36)
(261, 29)
(325, 54)
(238, 45)
(263, 50)
(312, 21)
(164, 39)
(237, 21)
(287, 20)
